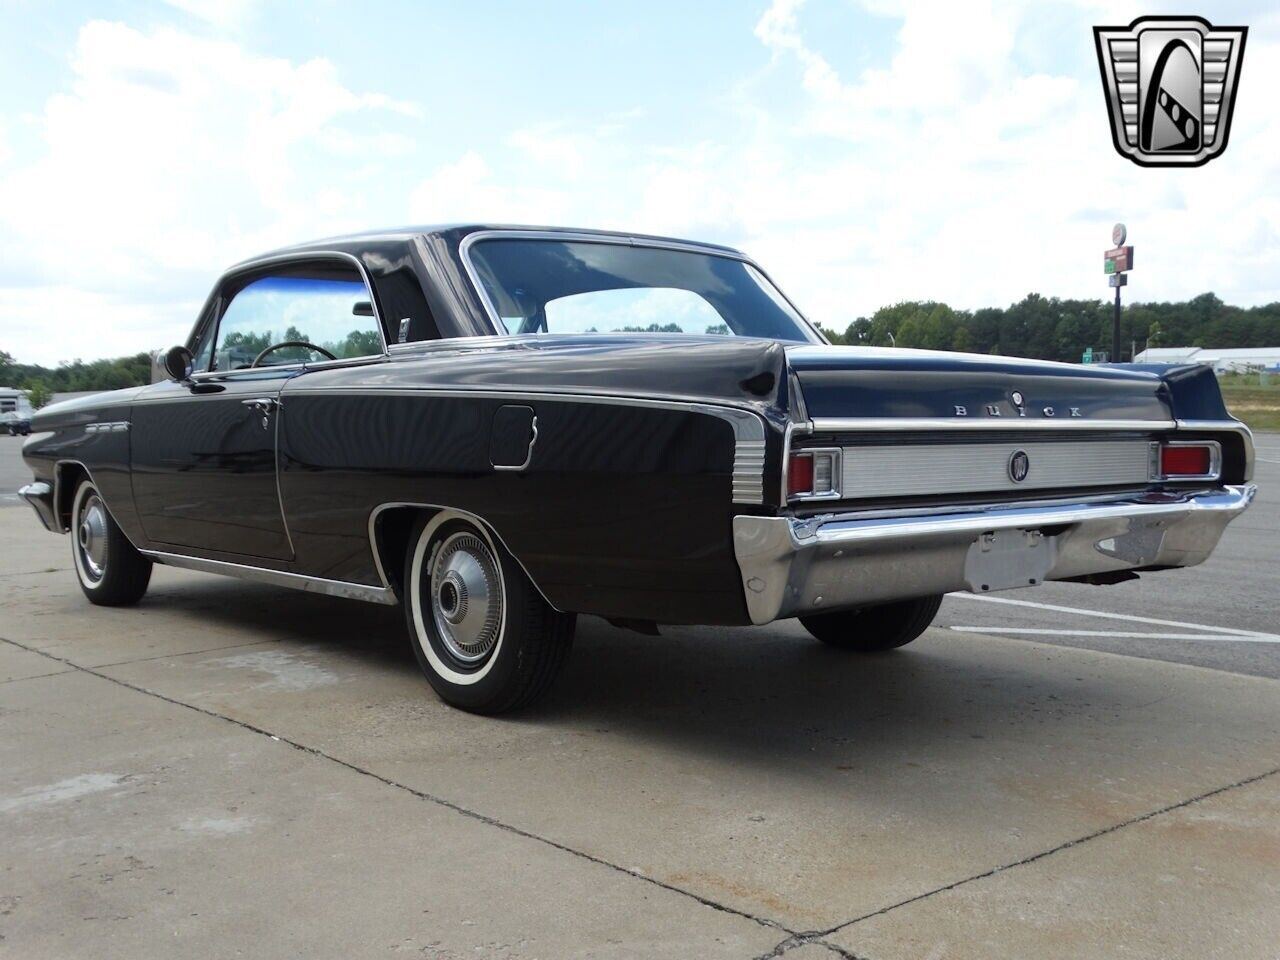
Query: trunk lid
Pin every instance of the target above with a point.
(878, 382)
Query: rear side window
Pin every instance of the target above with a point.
(331, 313)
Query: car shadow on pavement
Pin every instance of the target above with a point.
(767, 695)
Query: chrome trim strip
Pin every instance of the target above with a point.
(115, 426)
(528, 459)
(438, 507)
(748, 471)
(464, 253)
(854, 529)
(876, 424)
(278, 407)
(277, 578)
(748, 425)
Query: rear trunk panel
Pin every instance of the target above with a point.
(870, 382)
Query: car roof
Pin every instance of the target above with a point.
(455, 232)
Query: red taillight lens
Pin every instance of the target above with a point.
(800, 474)
(1190, 460)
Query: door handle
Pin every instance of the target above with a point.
(263, 407)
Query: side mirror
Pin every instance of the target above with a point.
(178, 362)
(362, 308)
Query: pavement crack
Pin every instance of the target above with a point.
(804, 939)
(420, 794)
(1141, 818)
(38, 676)
(186, 653)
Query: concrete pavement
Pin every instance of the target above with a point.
(229, 769)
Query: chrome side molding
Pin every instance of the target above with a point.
(277, 578)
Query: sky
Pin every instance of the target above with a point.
(864, 152)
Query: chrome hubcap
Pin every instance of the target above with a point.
(466, 597)
(91, 534)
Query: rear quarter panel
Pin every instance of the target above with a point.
(624, 511)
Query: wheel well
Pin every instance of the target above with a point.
(68, 477)
(392, 527)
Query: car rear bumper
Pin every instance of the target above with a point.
(791, 566)
(40, 495)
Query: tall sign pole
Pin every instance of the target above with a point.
(1116, 264)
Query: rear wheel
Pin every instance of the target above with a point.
(111, 572)
(884, 626)
(482, 634)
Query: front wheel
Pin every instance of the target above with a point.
(884, 626)
(483, 635)
(111, 572)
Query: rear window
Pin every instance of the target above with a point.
(547, 286)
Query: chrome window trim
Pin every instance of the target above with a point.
(748, 425)
(1215, 461)
(279, 578)
(258, 263)
(875, 424)
(471, 239)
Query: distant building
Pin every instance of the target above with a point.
(13, 400)
(1222, 361)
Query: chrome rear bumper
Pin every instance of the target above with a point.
(792, 567)
(40, 495)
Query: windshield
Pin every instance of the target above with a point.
(583, 287)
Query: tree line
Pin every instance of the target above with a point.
(1049, 328)
(1046, 328)
(43, 382)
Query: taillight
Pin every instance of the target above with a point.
(800, 474)
(1189, 460)
(814, 475)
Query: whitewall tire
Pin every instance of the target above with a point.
(484, 637)
(111, 572)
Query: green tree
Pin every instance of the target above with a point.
(38, 393)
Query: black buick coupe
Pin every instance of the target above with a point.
(504, 427)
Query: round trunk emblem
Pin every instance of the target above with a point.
(1019, 466)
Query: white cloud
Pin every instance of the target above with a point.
(169, 156)
(54, 323)
(970, 162)
(970, 180)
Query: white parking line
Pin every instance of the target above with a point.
(1111, 616)
(1121, 634)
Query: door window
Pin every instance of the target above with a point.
(331, 313)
